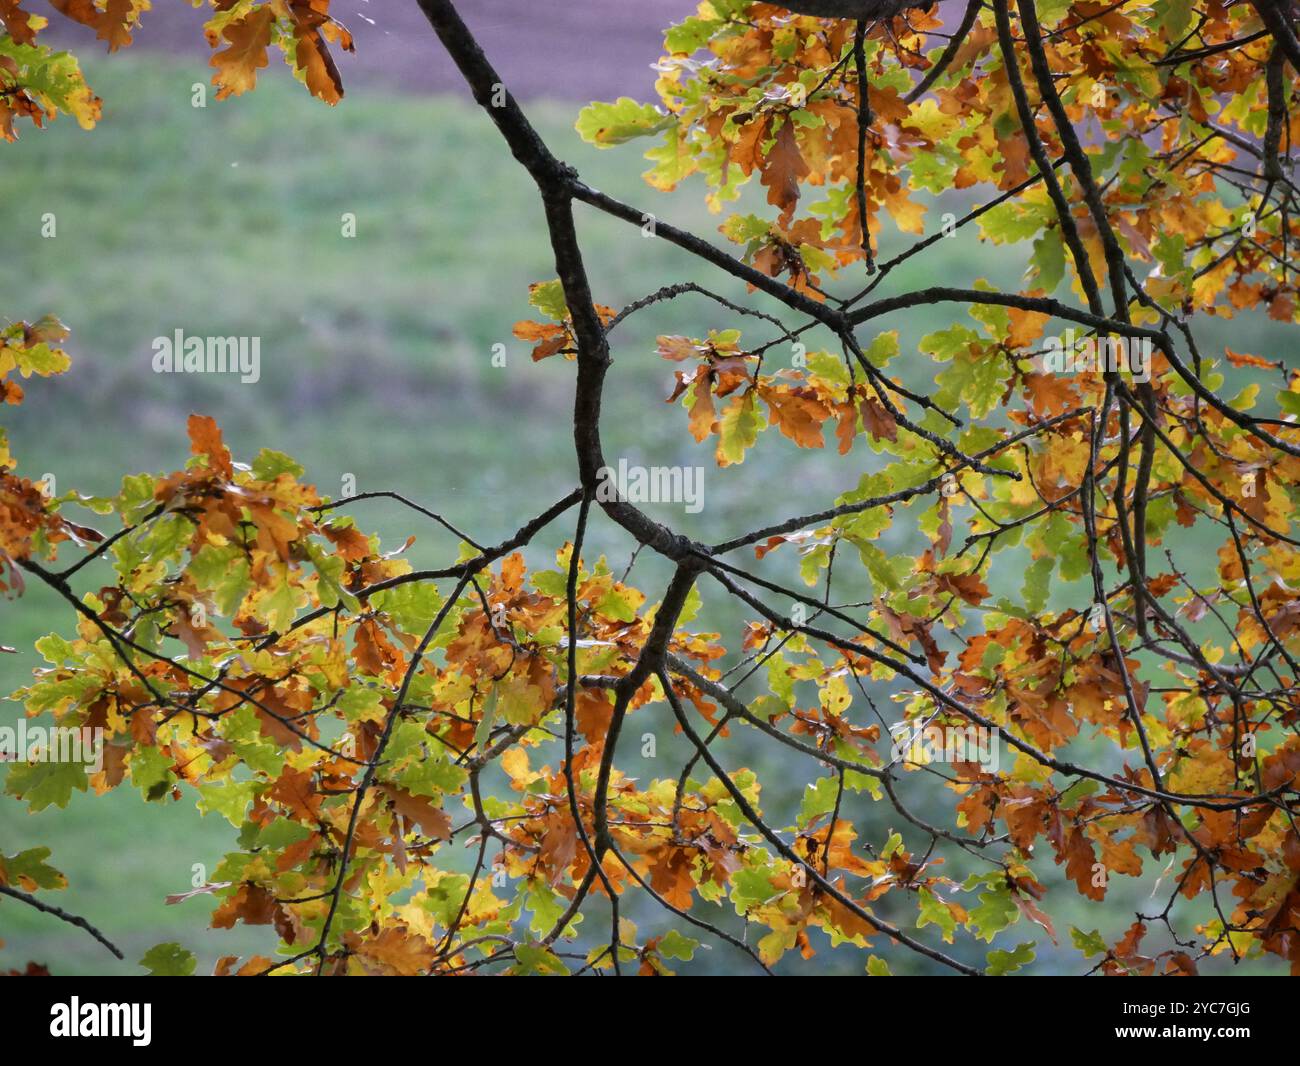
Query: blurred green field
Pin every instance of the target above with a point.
(376, 363)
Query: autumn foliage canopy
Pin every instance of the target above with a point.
(359, 721)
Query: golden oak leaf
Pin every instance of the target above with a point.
(848, 922)
(703, 414)
(908, 215)
(395, 951)
(238, 64)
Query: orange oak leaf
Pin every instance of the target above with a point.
(878, 421)
(1080, 861)
(421, 811)
(312, 57)
(237, 65)
(205, 440)
(797, 413)
(783, 169)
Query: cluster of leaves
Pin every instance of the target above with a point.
(256, 651)
(749, 87)
(38, 83)
(27, 524)
(1173, 91)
